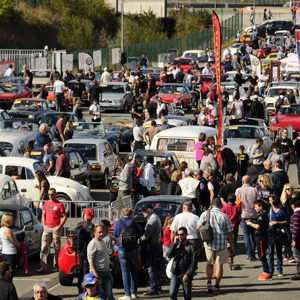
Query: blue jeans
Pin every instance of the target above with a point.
(262, 90)
(278, 247)
(104, 278)
(224, 114)
(298, 168)
(252, 21)
(176, 280)
(249, 239)
(294, 19)
(152, 267)
(286, 164)
(129, 265)
(13, 259)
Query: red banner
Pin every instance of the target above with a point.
(4, 66)
(217, 48)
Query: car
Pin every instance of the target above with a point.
(172, 123)
(9, 92)
(51, 118)
(207, 82)
(31, 108)
(176, 93)
(100, 156)
(96, 130)
(84, 98)
(9, 191)
(51, 98)
(4, 115)
(279, 40)
(233, 49)
(116, 96)
(26, 227)
(284, 33)
(146, 71)
(273, 93)
(79, 166)
(185, 63)
(197, 55)
(67, 190)
(260, 53)
(246, 37)
(287, 115)
(245, 131)
(177, 113)
(158, 157)
(40, 77)
(266, 61)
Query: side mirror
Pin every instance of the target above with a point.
(28, 227)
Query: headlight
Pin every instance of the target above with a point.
(175, 101)
(157, 187)
(274, 121)
(31, 116)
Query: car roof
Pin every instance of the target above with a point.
(114, 83)
(163, 198)
(86, 141)
(65, 149)
(143, 152)
(81, 80)
(12, 160)
(4, 178)
(172, 84)
(32, 99)
(12, 207)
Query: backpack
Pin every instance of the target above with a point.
(128, 236)
(54, 132)
(206, 231)
(279, 102)
(82, 236)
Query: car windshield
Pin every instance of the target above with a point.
(8, 88)
(115, 75)
(191, 55)
(89, 128)
(6, 147)
(51, 119)
(89, 150)
(13, 125)
(161, 209)
(206, 78)
(155, 76)
(16, 217)
(174, 144)
(37, 166)
(275, 92)
(112, 88)
(289, 110)
(181, 61)
(171, 89)
(235, 132)
(28, 105)
(41, 74)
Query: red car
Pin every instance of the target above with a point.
(287, 115)
(186, 63)
(51, 98)
(207, 82)
(177, 93)
(261, 52)
(223, 63)
(9, 92)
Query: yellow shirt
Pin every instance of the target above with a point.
(92, 298)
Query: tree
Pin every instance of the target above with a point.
(6, 7)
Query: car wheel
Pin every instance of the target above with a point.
(104, 180)
(117, 148)
(64, 279)
(66, 201)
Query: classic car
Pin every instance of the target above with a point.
(207, 82)
(115, 76)
(177, 93)
(9, 92)
(260, 53)
(186, 63)
(51, 118)
(51, 98)
(197, 55)
(246, 37)
(233, 48)
(116, 96)
(31, 108)
(40, 77)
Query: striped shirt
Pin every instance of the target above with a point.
(221, 225)
(295, 225)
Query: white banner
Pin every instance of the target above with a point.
(88, 62)
(41, 63)
(97, 55)
(255, 64)
(67, 62)
(81, 60)
(115, 56)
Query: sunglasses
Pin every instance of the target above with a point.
(289, 189)
(51, 194)
(90, 285)
(180, 234)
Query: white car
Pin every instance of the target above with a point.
(233, 49)
(284, 33)
(39, 77)
(9, 193)
(171, 122)
(67, 190)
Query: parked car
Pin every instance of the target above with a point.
(67, 190)
(197, 55)
(51, 118)
(39, 77)
(100, 156)
(115, 76)
(185, 63)
(207, 81)
(9, 92)
(233, 48)
(79, 166)
(26, 227)
(51, 98)
(4, 115)
(9, 191)
(261, 52)
(283, 33)
(246, 37)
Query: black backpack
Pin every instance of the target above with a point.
(279, 102)
(128, 236)
(82, 236)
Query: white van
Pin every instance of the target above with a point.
(182, 140)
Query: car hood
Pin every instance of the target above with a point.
(112, 96)
(168, 97)
(17, 112)
(8, 95)
(234, 144)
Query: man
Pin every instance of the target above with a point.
(90, 75)
(229, 159)
(206, 70)
(280, 54)
(62, 167)
(48, 160)
(151, 132)
(9, 72)
(128, 257)
(228, 55)
(202, 114)
(268, 166)
(151, 90)
(216, 250)
(263, 82)
(68, 76)
(105, 77)
(95, 92)
(188, 220)
(247, 103)
(40, 293)
(279, 177)
(60, 126)
(149, 177)
(295, 231)
(8, 290)
(211, 56)
(53, 76)
(125, 178)
(53, 209)
(83, 234)
(286, 147)
(229, 188)
(94, 111)
(188, 79)
(78, 90)
(152, 236)
(184, 265)
(98, 259)
(294, 11)
(138, 136)
(137, 110)
(213, 184)
(246, 195)
(208, 159)
(290, 96)
(164, 122)
(203, 197)
(257, 109)
(179, 76)
(225, 99)
(58, 91)
(254, 38)
(228, 66)
(78, 111)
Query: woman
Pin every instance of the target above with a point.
(43, 92)
(165, 176)
(238, 77)
(237, 108)
(197, 112)
(68, 132)
(174, 187)
(210, 141)
(264, 188)
(42, 138)
(43, 186)
(183, 165)
(27, 152)
(163, 76)
(286, 197)
(199, 154)
(9, 242)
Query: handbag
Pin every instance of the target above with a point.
(169, 268)
(206, 231)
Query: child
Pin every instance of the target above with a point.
(261, 227)
(243, 162)
(166, 242)
(234, 213)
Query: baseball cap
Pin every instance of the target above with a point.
(217, 202)
(89, 214)
(147, 206)
(89, 278)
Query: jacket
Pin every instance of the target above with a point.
(254, 154)
(23, 259)
(164, 181)
(279, 179)
(174, 188)
(190, 255)
(257, 110)
(8, 290)
(125, 178)
(50, 297)
(189, 186)
(102, 296)
(295, 228)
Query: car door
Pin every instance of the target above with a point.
(30, 240)
(84, 167)
(74, 167)
(108, 156)
(7, 194)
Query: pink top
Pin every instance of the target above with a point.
(199, 154)
(167, 237)
(233, 212)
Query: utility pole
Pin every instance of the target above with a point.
(122, 29)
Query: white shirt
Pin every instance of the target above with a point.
(188, 187)
(95, 109)
(148, 176)
(9, 73)
(59, 86)
(187, 220)
(160, 108)
(206, 71)
(105, 77)
(263, 83)
(138, 134)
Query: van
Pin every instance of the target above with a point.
(182, 140)
(198, 55)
